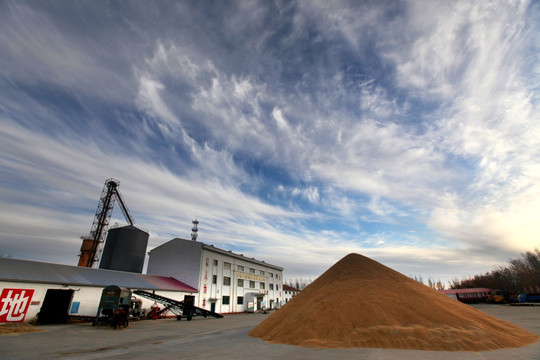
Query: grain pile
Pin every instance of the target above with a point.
(359, 302)
(17, 328)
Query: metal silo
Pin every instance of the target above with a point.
(125, 249)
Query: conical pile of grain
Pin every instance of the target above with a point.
(361, 303)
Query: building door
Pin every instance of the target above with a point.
(259, 302)
(55, 306)
(213, 306)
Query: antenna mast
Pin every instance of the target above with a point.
(194, 230)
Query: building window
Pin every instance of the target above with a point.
(226, 300)
(240, 300)
(252, 270)
(262, 286)
(214, 279)
(240, 268)
(271, 274)
(277, 287)
(261, 272)
(215, 262)
(271, 286)
(226, 281)
(252, 284)
(240, 282)
(226, 265)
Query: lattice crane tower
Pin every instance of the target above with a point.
(92, 245)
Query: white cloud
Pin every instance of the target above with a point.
(155, 196)
(172, 61)
(436, 56)
(38, 51)
(150, 101)
(470, 58)
(492, 123)
(382, 160)
(227, 107)
(232, 111)
(310, 193)
(280, 120)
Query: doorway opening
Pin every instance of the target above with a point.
(55, 306)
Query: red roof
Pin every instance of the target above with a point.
(290, 288)
(168, 283)
(465, 291)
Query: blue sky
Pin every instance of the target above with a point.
(296, 132)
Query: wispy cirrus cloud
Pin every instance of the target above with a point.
(402, 131)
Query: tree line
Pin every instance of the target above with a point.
(520, 274)
(436, 285)
(298, 283)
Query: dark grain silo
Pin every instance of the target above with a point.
(125, 249)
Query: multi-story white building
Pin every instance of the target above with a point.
(289, 292)
(227, 282)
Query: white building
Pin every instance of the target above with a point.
(30, 287)
(289, 292)
(227, 282)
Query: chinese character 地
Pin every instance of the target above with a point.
(14, 304)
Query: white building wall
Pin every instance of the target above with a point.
(219, 283)
(178, 258)
(288, 295)
(85, 300)
(203, 267)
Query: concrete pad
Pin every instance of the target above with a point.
(224, 339)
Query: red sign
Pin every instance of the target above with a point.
(14, 304)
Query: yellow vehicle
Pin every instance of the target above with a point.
(502, 297)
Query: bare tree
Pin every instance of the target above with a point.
(439, 285)
(519, 275)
